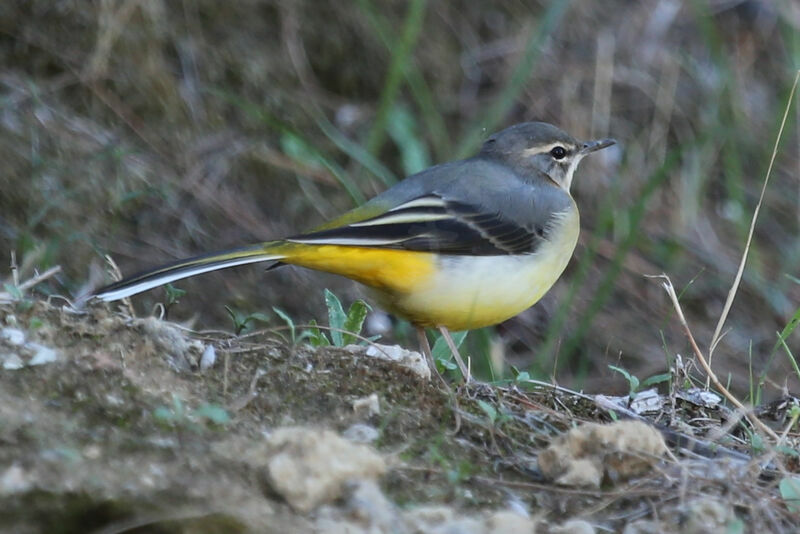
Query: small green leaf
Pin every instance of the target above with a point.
(241, 321)
(164, 414)
(788, 451)
(445, 365)
(13, 290)
(238, 319)
(355, 320)
(336, 317)
(633, 381)
(520, 376)
(756, 442)
(177, 406)
(524, 376)
(258, 316)
(299, 150)
(441, 352)
(288, 320)
(656, 379)
(315, 336)
(173, 294)
(212, 412)
(735, 526)
(489, 410)
(305, 334)
(790, 492)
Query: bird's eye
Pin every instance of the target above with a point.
(559, 152)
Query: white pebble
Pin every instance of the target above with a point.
(13, 336)
(12, 362)
(208, 358)
(42, 354)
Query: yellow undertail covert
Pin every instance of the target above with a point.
(393, 271)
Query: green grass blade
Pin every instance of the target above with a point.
(403, 130)
(356, 151)
(400, 57)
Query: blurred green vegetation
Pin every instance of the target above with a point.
(154, 130)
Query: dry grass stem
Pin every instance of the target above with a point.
(29, 283)
(737, 280)
(116, 275)
(668, 287)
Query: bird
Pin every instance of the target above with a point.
(458, 246)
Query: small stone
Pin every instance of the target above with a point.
(369, 505)
(310, 467)
(41, 354)
(92, 452)
(508, 522)
(13, 336)
(12, 362)
(361, 433)
(647, 401)
(395, 353)
(367, 406)
(700, 397)
(14, 480)
(573, 526)
(208, 358)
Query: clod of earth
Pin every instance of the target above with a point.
(586, 455)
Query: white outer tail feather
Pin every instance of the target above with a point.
(172, 276)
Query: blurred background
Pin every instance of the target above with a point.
(152, 130)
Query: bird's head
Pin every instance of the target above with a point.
(539, 147)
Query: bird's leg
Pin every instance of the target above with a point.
(426, 348)
(450, 343)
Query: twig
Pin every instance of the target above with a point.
(39, 278)
(735, 287)
(29, 283)
(14, 269)
(668, 287)
(116, 275)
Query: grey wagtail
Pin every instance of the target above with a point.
(458, 246)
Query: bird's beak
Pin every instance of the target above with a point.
(593, 146)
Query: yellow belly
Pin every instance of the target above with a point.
(458, 292)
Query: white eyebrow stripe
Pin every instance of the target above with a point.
(543, 149)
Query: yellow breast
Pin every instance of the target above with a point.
(472, 292)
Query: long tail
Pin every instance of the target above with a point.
(189, 267)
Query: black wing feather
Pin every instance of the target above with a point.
(434, 224)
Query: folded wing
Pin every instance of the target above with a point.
(432, 223)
